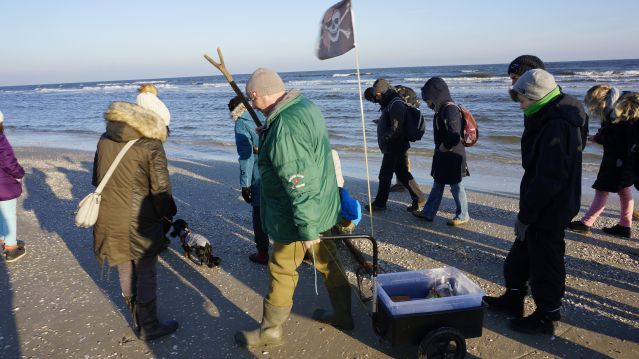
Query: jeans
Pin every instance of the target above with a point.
(435, 199)
(8, 227)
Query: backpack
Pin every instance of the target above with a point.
(414, 125)
(408, 95)
(470, 133)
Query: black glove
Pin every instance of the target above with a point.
(247, 195)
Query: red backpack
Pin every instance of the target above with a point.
(470, 134)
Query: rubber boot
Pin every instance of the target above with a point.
(269, 334)
(341, 317)
(130, 304)
(540, 322)
(511, 302)
(150, 327)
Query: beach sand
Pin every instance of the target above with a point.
(58, 303)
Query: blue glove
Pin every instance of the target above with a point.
(520, 230)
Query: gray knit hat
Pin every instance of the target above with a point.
(265, 82)
(534, 84)
(381, 86)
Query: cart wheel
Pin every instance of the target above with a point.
(442, 343)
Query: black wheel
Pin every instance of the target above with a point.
(442, 343)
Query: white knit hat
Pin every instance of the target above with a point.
(153, 103)
(338, 169)
(1, 117)
(535, 84)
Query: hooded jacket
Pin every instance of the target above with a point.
(449, 165)
(617, 162)
(299, 192)
(389, 128)
(10, 171)
(551, 150)
(247, 142)
(138, 195)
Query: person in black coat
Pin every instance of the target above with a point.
(394, 146)
(551, 150)
(617, 163)
(449, 161)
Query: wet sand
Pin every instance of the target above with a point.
(59, 303)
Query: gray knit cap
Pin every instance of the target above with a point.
(535, 84)
(381, 86)
(265, 82)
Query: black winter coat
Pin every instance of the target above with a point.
(449, 166)
(550, 191)
(617, 163)
(389, 129)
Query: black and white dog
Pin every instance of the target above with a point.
(194, 244)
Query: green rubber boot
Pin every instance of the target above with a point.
(269, 334)
(341, 317)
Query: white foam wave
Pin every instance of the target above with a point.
(343, 75)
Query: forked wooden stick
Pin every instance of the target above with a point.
(220, 66)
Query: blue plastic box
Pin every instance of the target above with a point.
(416, 285)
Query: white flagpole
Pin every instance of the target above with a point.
(368, 179)
(361, 108)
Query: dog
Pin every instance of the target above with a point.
(194, 244)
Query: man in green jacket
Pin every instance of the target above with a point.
(300, 201)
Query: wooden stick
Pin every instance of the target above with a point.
(220, 66)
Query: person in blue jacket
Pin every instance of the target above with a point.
(247, 142)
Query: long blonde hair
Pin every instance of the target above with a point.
(627, 108)
(595, 100)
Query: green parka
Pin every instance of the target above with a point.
(138, 195)
(299, 192)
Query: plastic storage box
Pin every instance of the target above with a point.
(416, 285)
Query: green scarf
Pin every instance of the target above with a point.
(539, 104)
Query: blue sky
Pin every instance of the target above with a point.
(80, 41)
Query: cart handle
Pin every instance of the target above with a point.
(341, 237)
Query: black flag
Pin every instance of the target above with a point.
(337, 36)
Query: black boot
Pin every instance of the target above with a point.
(511, 302)
(341, 316)
(130, 304)
(150, 327)
(540, 322)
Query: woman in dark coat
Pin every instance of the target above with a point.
(449, 161)
(617, 165)
(128, 233)
(11, 174)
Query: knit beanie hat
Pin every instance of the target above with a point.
(524, 63)
(151, 102)
(382, 85)
(264, 82)
(534, 84)
(1, 117)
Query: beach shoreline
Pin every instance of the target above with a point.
(74, 308)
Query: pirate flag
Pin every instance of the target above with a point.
(336, 32)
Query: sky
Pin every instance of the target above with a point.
(43, 42)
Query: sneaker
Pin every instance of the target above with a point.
(397, 187)
(259, 258)
(618, 230)
(416, 206)
(578, 226)
(456, 222)
(375, 208)
(14, 254)
(20, 244)
(537, 323)
(511, 302)
(420, 214)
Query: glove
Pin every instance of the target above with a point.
(442, 148)
(309, 244)
(520, 230)
(247, 195)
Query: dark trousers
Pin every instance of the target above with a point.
(261, 238)
(539, 260)
(396, 163)
(139, 278)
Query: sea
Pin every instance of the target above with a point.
(70, 115)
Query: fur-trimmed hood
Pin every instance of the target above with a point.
(127, 121)
(238, 111)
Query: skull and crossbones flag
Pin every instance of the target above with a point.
(337, 36)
